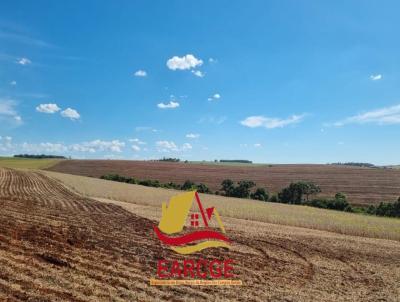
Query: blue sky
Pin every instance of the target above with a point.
(269, 81)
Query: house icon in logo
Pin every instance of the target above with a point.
(171, 230)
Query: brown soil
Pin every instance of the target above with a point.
(361, 185)
(58, 246)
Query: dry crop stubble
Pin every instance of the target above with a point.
(293, 215)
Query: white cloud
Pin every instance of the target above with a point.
(170, 105)
(186, 146)
(8, 111)
(98, 145)
(70, 113)
(375, 77)
(383, 116)
(6, 144)
(146, 128)
(214, 97)
(7, 107)
(182, 63)
(140, 73)
(192, 135)
(170, 146)
(137, 141)
(48, 108)
(24, 61)
(13, 83)
(166, 146)
(45, 147)
(218, 120)
(115, 146)
(257, 145)
(212, 60)
(135, 148)
(198, 73)
(270, 123)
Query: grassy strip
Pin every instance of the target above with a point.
(27, 163)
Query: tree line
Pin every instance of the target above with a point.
(298, 193)
(39, 156)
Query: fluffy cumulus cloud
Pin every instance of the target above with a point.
(210, 119)
(170, 146)
(271, 123)
(6, 144)
(140, 73)
(24, 61)
(382, 116)
(375, 77)
(43, 147)
(170, 105)
(214, 97)
(71, 114)
(135, 148)
(192, 135)
(166, 146)
(186, 146)
(8, 112)
(137, 141)
(98, 145)
(184, 63)
(48, 108)
(198, 73)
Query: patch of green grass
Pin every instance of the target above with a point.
(26, 163)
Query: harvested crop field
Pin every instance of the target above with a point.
(362, 186)
(57, 245)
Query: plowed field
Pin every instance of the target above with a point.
(361, 185)
(58, 246)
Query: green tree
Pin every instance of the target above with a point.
(295, 192)
(202, 188)
(227, 187)
(308, 188)
(273, 198)
(242, 190)
(260, 194)
(188, 185)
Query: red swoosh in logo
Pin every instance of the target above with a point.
(188, 238)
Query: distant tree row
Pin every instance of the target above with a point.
(170, 159)
(298, 193)
(187, 185)
(41, 156)
(243, 161)
(385, 209)
(355, 164)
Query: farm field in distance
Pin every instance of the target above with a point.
(363, 186)
(57, 244)
(27, 163)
